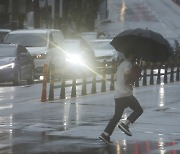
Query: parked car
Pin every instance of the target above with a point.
(175, 48)
(78, 57)
(3, 33)
(41, 44)
(16, 64)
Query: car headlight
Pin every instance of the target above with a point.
(41, 56)
(11, 65)
(74, 59)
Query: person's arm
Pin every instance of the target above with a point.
(132, 75)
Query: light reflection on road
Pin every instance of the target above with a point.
(66, 115)
(122, 11)
(72, 114)
(6, 107)
(142, 147)
(161, 96)
(161, 146)
(6, 120)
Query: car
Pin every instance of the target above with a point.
(78, 57)
(41, 44)
(104, 50)
(89, 35)
(16, 64)
(175, 48)
(3, 33)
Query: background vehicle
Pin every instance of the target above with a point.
(41, 44)
(16, 64)
(77, 57)
(104, 50)
(3, 33)
(89, 35)
(175, 48)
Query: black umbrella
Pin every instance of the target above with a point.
(147, 44)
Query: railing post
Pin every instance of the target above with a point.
(112, 75)
(103, 86)
(43, 96)
(145, 75)
(177, 71)
(51, 90)
(159, 73)
(165, 73)
(152, 74)
(63, 82)
(84, 84)
(73, 90)
(172, 73)
(93, 89)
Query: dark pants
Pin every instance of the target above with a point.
(120, 105)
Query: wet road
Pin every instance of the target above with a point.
(161, 16)
(74, 125)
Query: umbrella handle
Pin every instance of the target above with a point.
(140, 62)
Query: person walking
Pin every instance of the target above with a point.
(127, 73)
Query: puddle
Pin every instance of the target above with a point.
(41, 142)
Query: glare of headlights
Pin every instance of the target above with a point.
(41, 77)
(41, 56)
(11, 65)
(75, 59)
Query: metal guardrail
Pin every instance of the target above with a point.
(151, 74)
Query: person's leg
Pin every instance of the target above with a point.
(136, 107)
(119, 108)
(133, 103)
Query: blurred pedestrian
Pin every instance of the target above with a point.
(127, 73)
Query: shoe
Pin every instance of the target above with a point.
(105, 138)
(125, 129)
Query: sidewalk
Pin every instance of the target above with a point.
(74, 125)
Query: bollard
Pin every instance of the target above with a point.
(152, 74)
(43, 96)
(136, 83)
(84, 84)
(93, 89)
(165, 73)
(172, 73)
(63, 82)
(145, 75)
(51, 90)
(103, 86)
(73, 90)
(177, 71)
(159, 74)
(177, 74)
(112, 75)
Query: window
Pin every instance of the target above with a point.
(28, 39)
(58, 38)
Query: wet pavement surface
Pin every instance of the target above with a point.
(161, 16)
(74, 125)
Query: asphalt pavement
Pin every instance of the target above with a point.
(160, 16)
(73, 125)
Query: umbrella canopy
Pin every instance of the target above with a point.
(147, 44)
